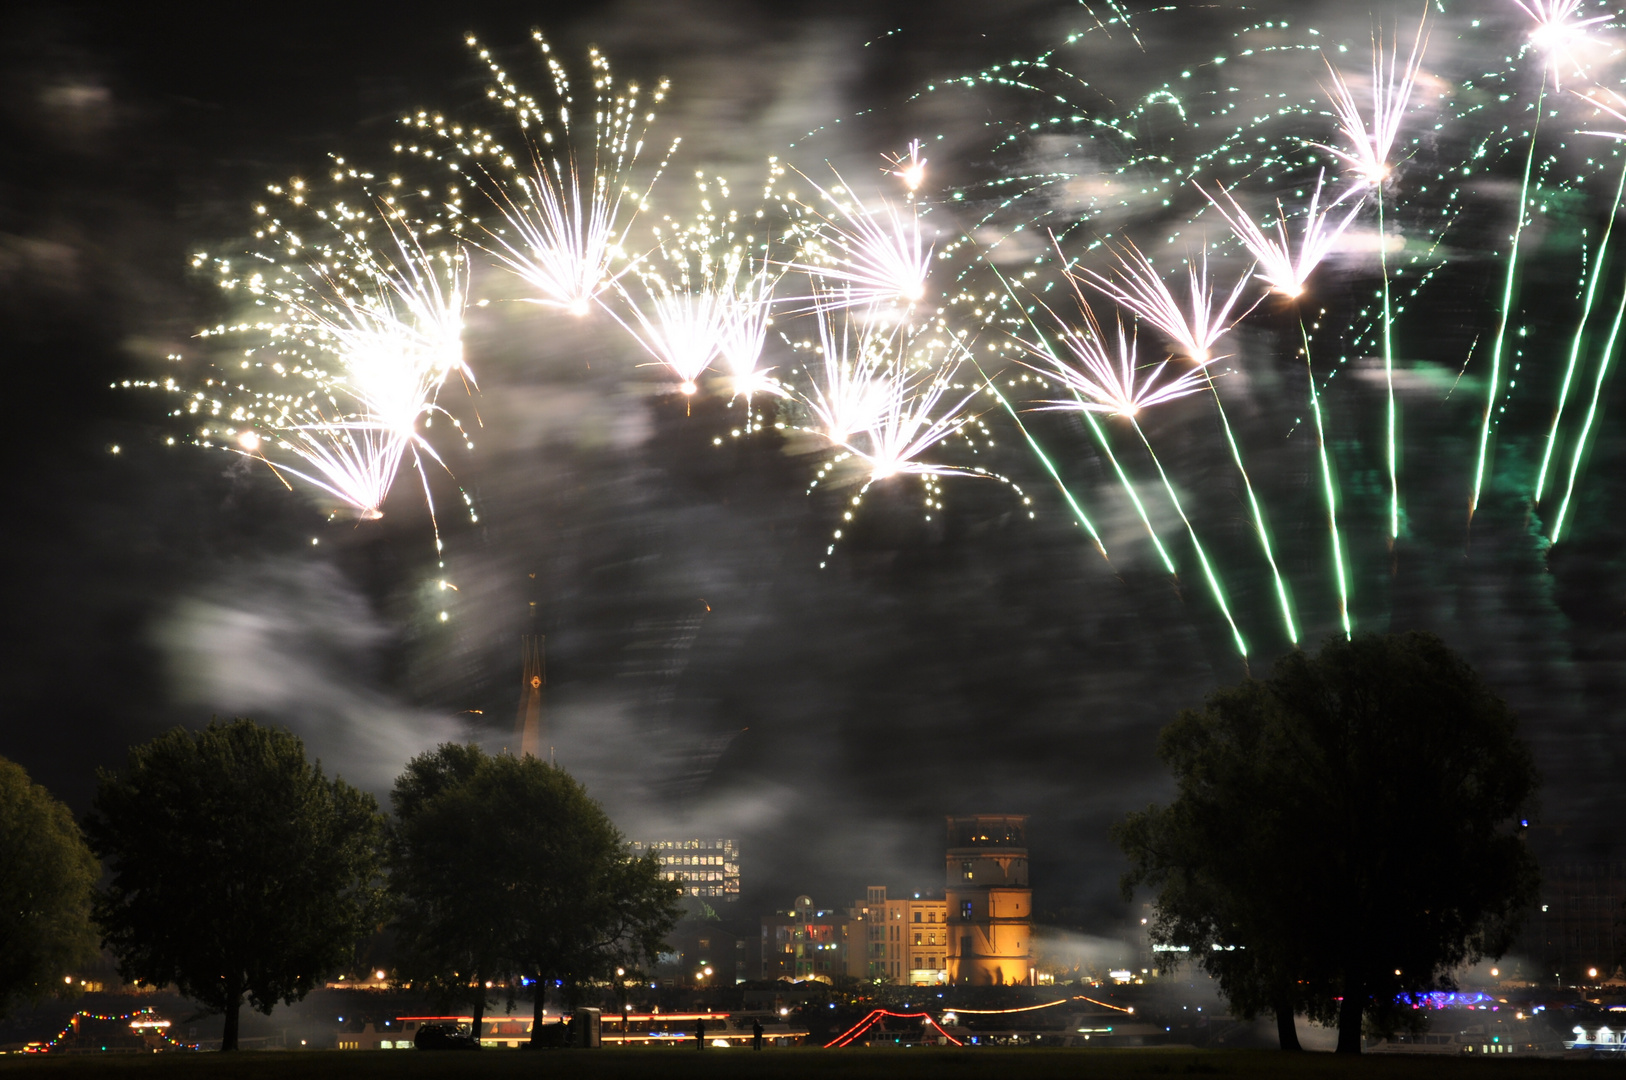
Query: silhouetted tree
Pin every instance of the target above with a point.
(448, 912)
(503, 867)
(46, 877)
(239, 870)
(1343, 832)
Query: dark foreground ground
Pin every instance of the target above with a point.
(675, 1064)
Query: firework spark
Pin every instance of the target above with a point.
(873, 256)
(1559, 32)
(360, 337)
(920, 406)
(746, 332)
(1278, 266)
(1193, 328)
(566, 219)
(909, 167)
(683, 330)
(1372, 144)
(1107, 379)
(850, 392)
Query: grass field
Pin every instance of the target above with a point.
(676, 1064)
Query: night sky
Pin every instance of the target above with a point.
(705, 673)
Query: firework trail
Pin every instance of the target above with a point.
(1194, 328)
(683, 330)
(565, 219)
(1109, 381)
(1591, 415)
(1618, 111)
(1049, 467)
(1558, 32)
(865, 256)
(1329, 488)
(714, 259)
(1041, 347)
(1279, 267)
(1369, 158)
(356, 340)
(1598, 265)
(852, 392)
(884, 395)
(1288, 274)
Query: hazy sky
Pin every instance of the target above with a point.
(705, 673)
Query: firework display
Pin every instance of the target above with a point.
(1241, 267)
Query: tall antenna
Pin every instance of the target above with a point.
(529, 725)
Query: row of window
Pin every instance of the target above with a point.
(692, 860)
(693, 875)
(684, 845)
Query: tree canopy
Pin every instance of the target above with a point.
(503, 868)
(46, 877)
(238, 870)
(1345, 832)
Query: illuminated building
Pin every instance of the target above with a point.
(809, 943)
(704, 867)
(905, 940)
(989, 902)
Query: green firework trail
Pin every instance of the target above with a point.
(1258, 514)
(1506, 309)
(1575, 343)
(1329, 488)
(1048, 465)
(1202, 556)
(1591, 415)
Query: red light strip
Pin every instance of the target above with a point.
(876, 1016)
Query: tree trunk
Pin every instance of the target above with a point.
(478, 1011)
(234, 1005)
(1286, 1033)
(1349, 1016)
(537, 1008)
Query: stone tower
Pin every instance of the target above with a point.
(990, 906)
